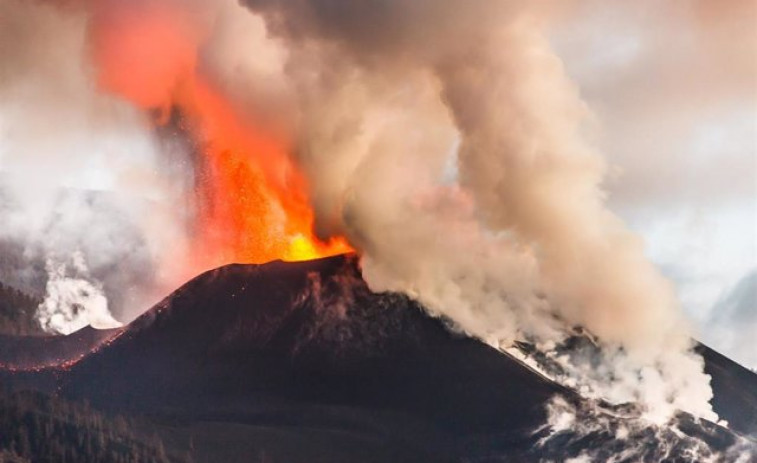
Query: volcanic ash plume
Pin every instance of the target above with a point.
(441, 138)
(445, 140)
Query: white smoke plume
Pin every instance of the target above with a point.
(73, 299)
(444, 139)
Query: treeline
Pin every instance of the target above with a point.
(18, 312)
(11, 457)
(38, 428)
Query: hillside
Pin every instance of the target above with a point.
(301, 362)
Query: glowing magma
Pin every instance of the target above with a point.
(252, 203)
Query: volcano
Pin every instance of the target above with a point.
(297, 362)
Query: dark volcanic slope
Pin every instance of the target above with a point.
(735, 391)
(26, 352)
(300, 361)
(250, 341)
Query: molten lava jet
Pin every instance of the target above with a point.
(252, 204)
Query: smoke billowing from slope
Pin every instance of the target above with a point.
(442, 138)
(72, 299)
(523, 164)
(521, 238)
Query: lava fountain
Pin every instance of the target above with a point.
(251, 201)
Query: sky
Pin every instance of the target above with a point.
(675, 108)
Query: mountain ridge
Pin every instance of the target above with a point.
(306, 349)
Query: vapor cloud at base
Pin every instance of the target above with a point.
(72, 301)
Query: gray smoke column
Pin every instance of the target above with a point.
(446, 141)
(483, 73)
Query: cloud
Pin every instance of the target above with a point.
(673, 87)
(734, 321)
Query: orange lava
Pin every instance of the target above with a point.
(252, 203)
(253, 199)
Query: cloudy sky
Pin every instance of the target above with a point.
(673, 89)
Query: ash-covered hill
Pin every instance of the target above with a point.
(307, 345)
(301, 362)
